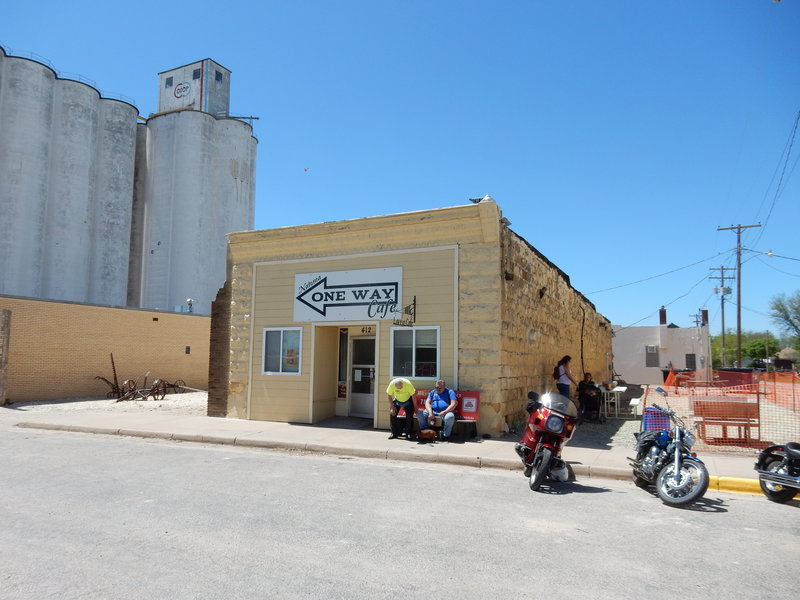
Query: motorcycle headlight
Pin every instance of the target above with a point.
(689, 439)
(554, 424)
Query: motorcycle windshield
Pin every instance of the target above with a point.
(560, 404)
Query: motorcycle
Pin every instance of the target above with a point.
(551, 422)
(664, 459)
(778, 469)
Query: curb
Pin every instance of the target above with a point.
(717, 483)
(735, 484)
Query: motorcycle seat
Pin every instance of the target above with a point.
(792, 450)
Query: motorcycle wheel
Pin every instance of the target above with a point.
(775, 491)
(541, 467)
(692, 485)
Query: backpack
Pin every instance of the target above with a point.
(556, 374)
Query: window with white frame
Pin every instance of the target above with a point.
(651, 356)
(282, 347)
(415, 352)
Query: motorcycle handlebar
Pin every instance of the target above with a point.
(666, 411)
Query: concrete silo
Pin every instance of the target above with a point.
(66, 184)
(26, 114)
(199, 185)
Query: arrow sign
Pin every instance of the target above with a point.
(367, 294)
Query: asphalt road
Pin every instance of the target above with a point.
(89, 516)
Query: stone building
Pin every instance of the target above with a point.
(315, 320)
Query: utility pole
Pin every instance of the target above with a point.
(738, 229)
(722, 292)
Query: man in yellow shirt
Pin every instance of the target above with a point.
(401, 395)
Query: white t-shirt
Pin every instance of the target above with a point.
(562, 375)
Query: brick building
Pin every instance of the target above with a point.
(315, 320)
(52, 350)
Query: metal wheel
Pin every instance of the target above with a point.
(691, 485)
(775, 491)
(541, 467)
(179, 386)
(159, 390)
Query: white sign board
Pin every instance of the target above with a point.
(363, 295)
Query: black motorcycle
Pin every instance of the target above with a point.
(778, 469)
(664, 459)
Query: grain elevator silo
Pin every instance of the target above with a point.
(198, 186)
(66, 183)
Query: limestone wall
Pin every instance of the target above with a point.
(543, 319)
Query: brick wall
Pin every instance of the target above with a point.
(219, 353)
(5, 332)
(56, 349)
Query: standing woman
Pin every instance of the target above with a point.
(564, 376)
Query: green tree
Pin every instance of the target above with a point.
(729, 350)
(754, 345)
(760, 348)
(785, 313)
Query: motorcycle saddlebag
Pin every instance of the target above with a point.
(644, 440)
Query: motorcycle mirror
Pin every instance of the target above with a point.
(533, 396)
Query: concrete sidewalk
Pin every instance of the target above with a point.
(349, 437)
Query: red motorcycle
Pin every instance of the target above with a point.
(551, 423)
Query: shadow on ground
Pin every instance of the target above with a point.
(613, 433)
(339, 423)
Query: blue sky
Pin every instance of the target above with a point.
(616, 136)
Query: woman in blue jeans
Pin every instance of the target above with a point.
(564, 376)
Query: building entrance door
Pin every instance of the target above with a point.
(362, 378)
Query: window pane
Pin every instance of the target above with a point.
(272, 351)
(426, 353)
(403, 353)
(426, 338)
(363, 351)
(651, 357)
(291, 351)
(342, 354)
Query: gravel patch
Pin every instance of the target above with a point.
(187, 403)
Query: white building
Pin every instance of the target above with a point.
(643, 354)
(97, 209)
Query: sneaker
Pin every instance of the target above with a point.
(392, 436)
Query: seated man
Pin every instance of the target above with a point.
(442, 403)
(589, 399)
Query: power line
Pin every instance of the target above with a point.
(738, 229)
(766, 264)
(780, 186)
(673, 301)
(722, 291)
(616, 287)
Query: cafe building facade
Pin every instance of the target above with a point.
(314, 321)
